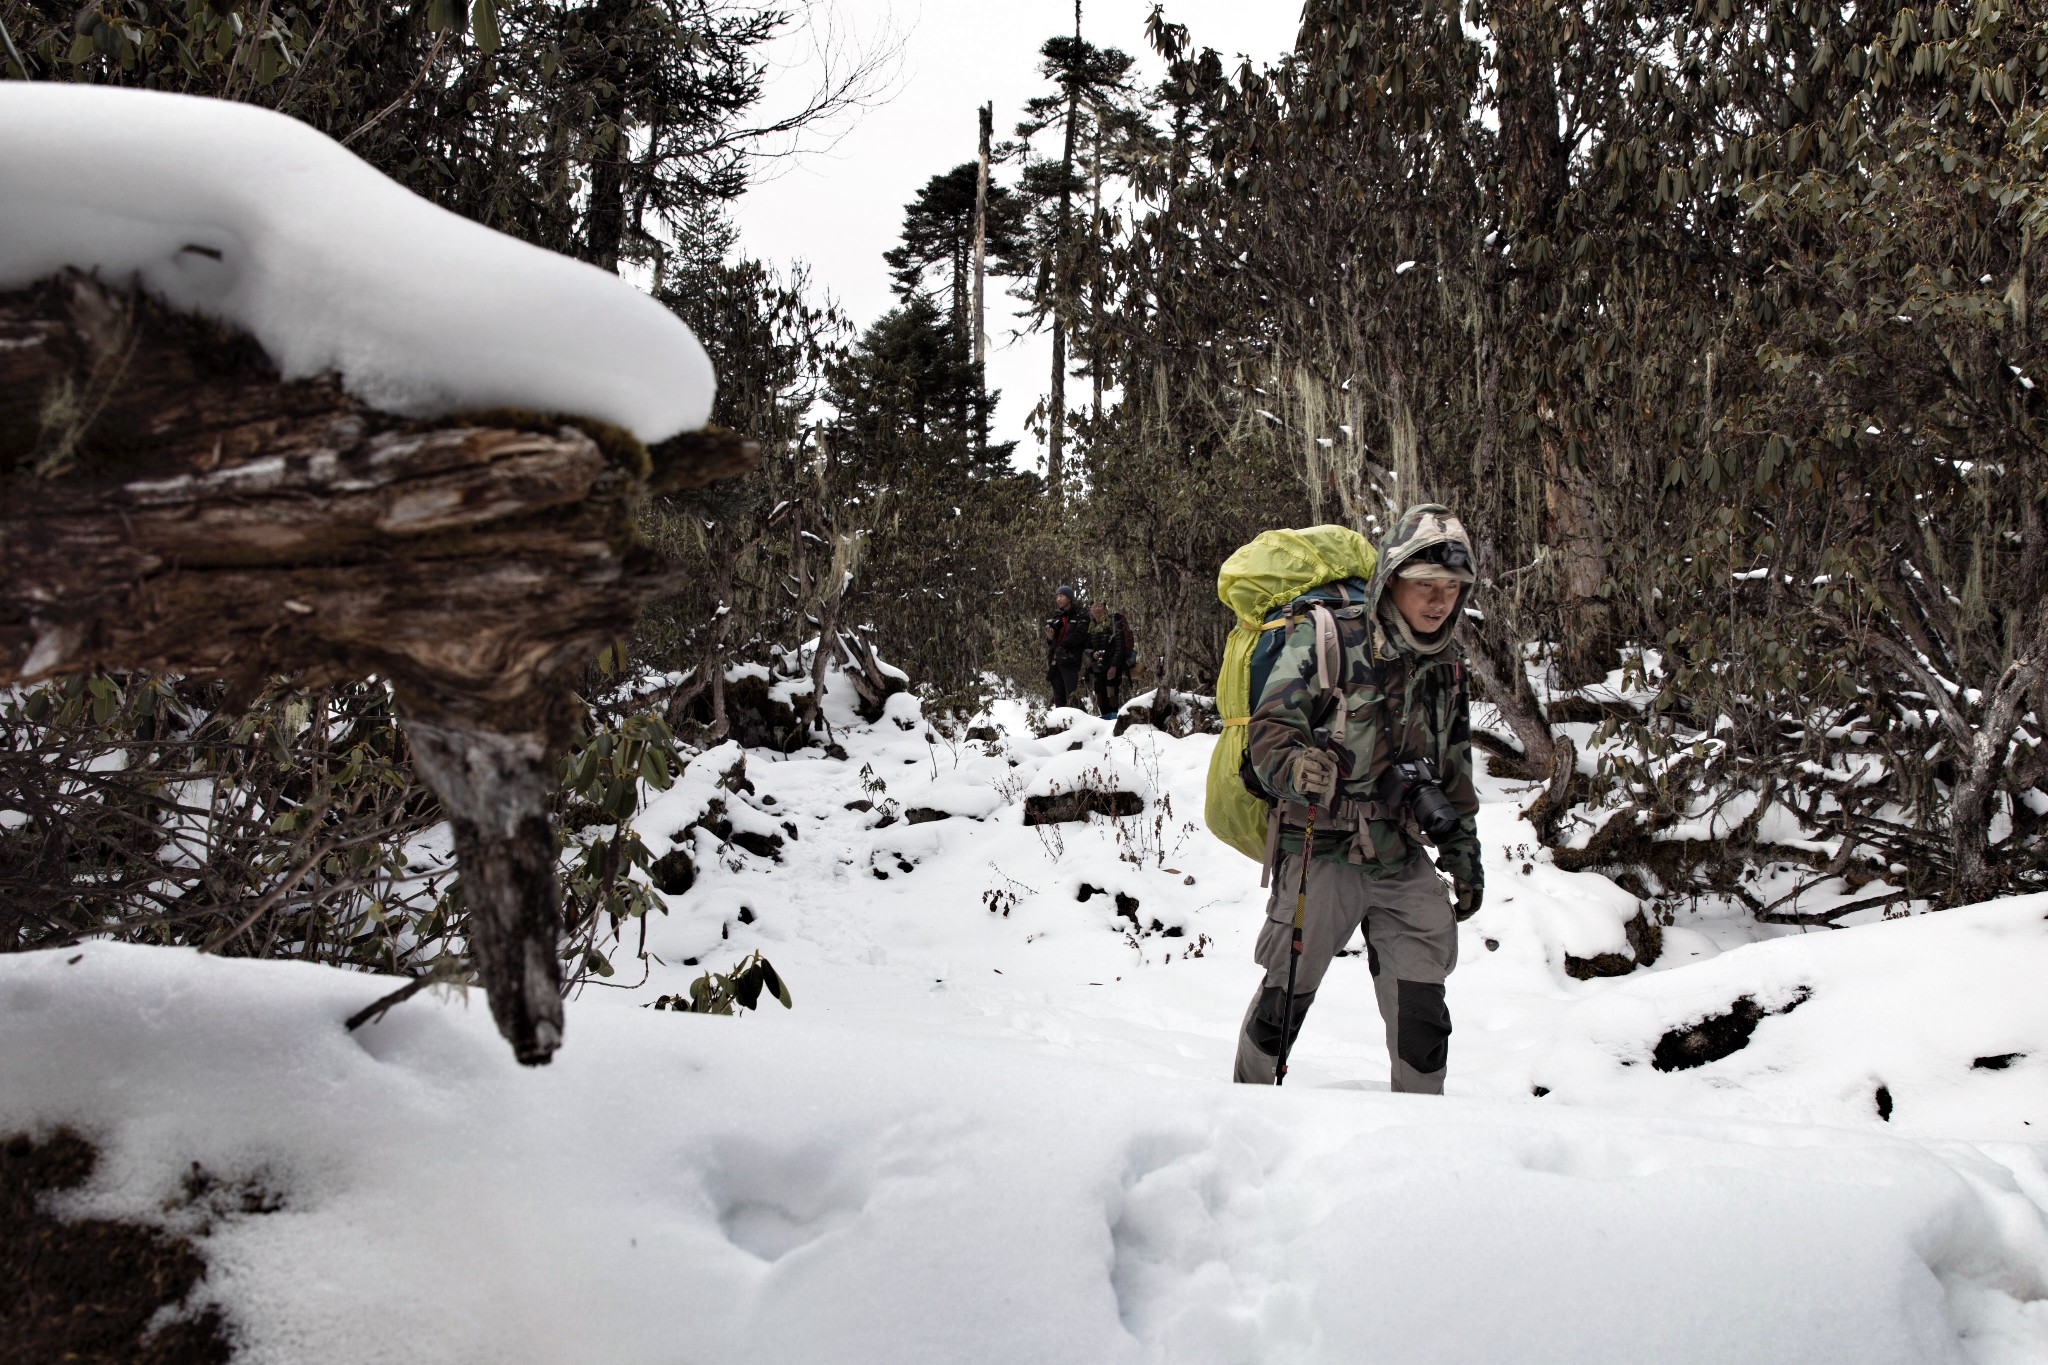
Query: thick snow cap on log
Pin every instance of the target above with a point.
(259, 221)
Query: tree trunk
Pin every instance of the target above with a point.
(1496, 653)
(987, 118)
(605, 230)
(1985, 753)
(1095, 282)
(1505, 685)
(1588, 648)
(1062, 286)
(1534, 175)
(167, 504)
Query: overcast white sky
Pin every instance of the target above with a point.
(840, 208)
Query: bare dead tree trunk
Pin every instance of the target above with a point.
(1507, 687)
(1095, 279)
(167, 504)
(1062, 283)
(987, 114)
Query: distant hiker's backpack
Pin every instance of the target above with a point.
(1259, 582)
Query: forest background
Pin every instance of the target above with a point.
(1712, 321)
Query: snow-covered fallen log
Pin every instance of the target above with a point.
(263, 412)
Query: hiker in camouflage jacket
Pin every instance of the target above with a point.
(1384, 677)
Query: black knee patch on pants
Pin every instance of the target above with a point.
(1423, 1034)
(1265, 1029)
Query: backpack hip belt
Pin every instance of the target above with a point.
(1348, 814)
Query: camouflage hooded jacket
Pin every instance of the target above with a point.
(1391, 689)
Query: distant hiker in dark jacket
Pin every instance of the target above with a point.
(1066, 644)
(1109, 655)
(1386, 680)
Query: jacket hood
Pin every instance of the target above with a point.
(1421, 526)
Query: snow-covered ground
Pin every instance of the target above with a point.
(996, 1125)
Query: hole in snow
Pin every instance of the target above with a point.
(771, 1203)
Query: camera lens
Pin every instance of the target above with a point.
(1433, 810)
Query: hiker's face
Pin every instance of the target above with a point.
(1425, 603)
(1062, 601)
(1095, 613)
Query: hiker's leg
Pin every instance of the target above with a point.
(1330, 916)
(1411, 939)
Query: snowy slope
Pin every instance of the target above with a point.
(995, 1128)
(258, 220)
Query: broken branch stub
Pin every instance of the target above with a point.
(167, 503)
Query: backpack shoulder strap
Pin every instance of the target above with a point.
(1330, 663)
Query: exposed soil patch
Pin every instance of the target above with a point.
(1718, 1035)
(1079, 805)
(88, 1291)
(1997, 1062)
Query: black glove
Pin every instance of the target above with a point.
(1469, 899)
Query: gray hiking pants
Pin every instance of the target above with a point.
(1411, 944)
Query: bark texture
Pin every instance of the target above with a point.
(168, 504)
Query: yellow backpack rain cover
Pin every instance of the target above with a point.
(1269, 573)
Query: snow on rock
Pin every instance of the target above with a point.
(257, 220)
(1112, 767)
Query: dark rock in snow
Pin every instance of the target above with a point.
(1079, 805)
(1718, 1035)
(760, 845)
(673, 872)
(924, 815)
(1997, 1062)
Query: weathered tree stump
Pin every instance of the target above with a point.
(168, 504)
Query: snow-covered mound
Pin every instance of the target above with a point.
(257, 220)
(1937, 1024)
(996, 1125)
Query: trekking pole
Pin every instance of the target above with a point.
(1308, 853)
